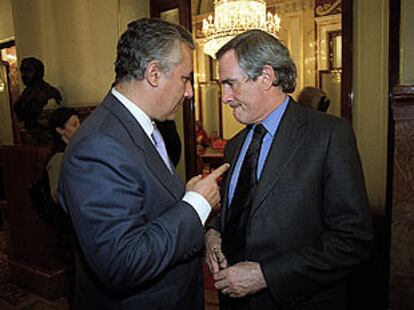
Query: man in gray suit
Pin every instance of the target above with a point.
(140, 232)
(294, 221)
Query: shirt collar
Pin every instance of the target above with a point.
(142, 118)
(271, 123)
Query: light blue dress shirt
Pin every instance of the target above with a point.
(271, 123)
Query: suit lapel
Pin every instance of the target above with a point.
(285, 145)
(155, 163)
(152, 158)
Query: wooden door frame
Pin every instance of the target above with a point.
(347, 55)
(393, 90)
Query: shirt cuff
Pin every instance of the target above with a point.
(199, 204)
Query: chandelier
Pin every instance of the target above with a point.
(232, 17)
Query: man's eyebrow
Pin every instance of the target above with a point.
(227, 81)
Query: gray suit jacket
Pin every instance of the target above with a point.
(309, 223)
(140, 245)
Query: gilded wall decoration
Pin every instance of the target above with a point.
(290, 6)
(328, 7)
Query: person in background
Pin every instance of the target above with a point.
(63, 123)
(314, 98)
(202, 142)
(294, 221)
(202, 138)
(139, 229)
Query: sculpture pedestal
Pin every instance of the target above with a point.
(36, 255)
(46, 283)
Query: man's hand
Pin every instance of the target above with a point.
(242, 279)
(214, 256)
(207, 186)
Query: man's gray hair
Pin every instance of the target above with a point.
(149, 39)
(256, 48)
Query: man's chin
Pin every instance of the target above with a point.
(170, 117)
(239, 117)
(164, 118)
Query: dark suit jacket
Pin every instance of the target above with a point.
(140, 244)
(309, 223)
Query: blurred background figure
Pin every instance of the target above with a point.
(63, 123)
(314, 98)
(202, 138)
(216, 141)
(36, 94)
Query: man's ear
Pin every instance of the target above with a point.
(268, 76)
(153, 73)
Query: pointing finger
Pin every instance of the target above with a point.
(219, 171)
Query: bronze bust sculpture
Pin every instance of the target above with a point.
(36, 94)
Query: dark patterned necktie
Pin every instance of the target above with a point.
(234, 236)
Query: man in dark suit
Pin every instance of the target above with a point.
(294, 221)
(140, 232)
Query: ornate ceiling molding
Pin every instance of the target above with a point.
(291, 6)
(328, 8)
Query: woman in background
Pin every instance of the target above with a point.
(63, 123)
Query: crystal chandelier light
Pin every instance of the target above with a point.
(232, 17)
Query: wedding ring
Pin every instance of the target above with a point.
(214, 249)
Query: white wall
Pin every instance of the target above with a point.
(131, 10)
(76, 40)
(370, 104)
(6, 21)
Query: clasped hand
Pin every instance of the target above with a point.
(236, 281)
(239, 280)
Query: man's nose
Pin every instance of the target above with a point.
(188, 90)
(227, 95)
